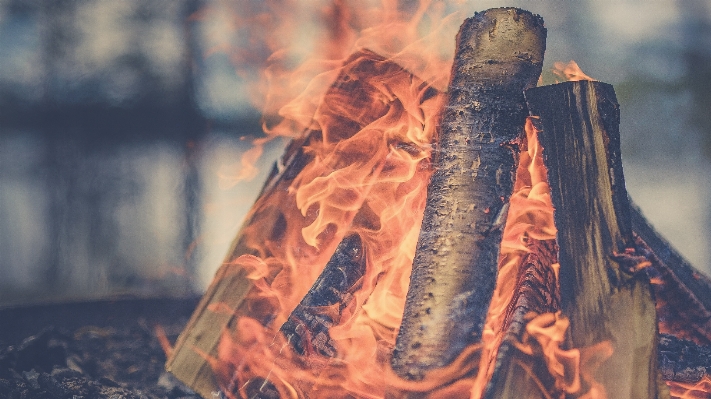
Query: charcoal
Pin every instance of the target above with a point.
(120, 361)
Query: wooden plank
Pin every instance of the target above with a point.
(499, 54)
(605, 300)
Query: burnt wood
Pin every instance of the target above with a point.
(682, 360)
(306, 330)
(683, 294)
(499, 53)
(602, 294)
(536, 292)
(347, 104)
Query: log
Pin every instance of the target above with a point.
(349, 106)
(499, 53)
(682, 360)
(682, 293)
(518, 375)
(605, 298)
(306, 330)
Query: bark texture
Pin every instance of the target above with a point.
(602, 293)
(499, 53)
(308, 325)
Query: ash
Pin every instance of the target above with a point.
(123, 361)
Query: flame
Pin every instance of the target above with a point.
(698, 390)
(369, 148)
(530, 217)
(369, 107)
(570, 72)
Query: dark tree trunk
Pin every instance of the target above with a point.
(499, 54)
(602, 293)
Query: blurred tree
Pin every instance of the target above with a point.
(696, 29)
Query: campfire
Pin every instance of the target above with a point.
(444, 236)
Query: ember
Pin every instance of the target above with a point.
(521, 285)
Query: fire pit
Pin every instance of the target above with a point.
(477, 242)
(426, 234)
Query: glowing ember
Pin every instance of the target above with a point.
(699, 390)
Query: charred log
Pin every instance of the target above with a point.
(682, 294)
(307, 327)
(682, 360)
(499, 54)
(519, 375)
(605, 296)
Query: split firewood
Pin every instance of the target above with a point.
(604, 293)
(306, 330)
(499, 53)
(348, 104)
(683, 294)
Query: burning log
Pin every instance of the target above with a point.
(603, 293)
(536, 293)
(349, 105)
(499, 54)
(683, 294)
(307, 327)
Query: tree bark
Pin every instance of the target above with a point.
(603, 295)
(499, 54)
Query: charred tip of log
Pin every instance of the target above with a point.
(306, 330)
(485, 40)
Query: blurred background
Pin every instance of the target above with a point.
(121, 123)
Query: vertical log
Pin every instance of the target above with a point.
(499, 54)
(604, 299)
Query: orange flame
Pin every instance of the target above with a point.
(698, 390)
(570, 72)
(371, 118)
(530, 217)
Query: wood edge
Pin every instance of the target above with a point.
(204, 331)
(698, 282)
